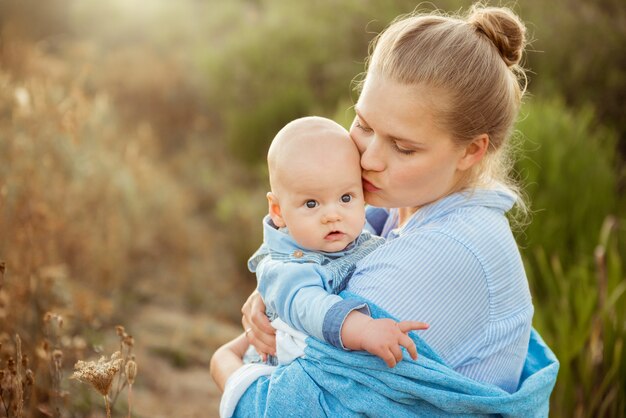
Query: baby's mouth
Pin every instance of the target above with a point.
(334, 236)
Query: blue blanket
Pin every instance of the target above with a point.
(332, 382)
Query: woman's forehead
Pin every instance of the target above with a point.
(402, 97)
(397, 110)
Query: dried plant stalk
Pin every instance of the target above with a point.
(131, 373)
(18, 390)
(98, 374)
(52, 330)
(16, 379)
(101, 374)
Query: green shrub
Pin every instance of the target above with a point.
(578, 52)
(577, 279)
(280, 60)
(582, 315)
(569, 170)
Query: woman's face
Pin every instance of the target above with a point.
(407, 160)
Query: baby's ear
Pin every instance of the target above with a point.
(274, 210)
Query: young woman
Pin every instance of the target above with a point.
(436, 109)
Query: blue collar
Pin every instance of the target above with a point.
(499, 198)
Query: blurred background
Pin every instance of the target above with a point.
(132, 182)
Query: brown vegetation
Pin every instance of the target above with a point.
(105, 205)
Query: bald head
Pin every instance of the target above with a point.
(307, 145)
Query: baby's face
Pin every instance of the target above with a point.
(321, 201)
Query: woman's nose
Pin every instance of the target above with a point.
(372, 157)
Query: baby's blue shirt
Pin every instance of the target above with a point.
(300, 286)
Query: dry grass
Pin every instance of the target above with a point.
(108, 190)
(16, 382)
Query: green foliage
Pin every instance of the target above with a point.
(581, 315)
(578, 52)
(569, 170)
(283, 60)
(276, 60)
(271, 73)
(578, 280)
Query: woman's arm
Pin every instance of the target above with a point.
(227, 359)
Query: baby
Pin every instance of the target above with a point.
(313, 238)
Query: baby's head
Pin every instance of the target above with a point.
(315, 176)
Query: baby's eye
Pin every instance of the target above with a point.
(346, 198)
(311, 204)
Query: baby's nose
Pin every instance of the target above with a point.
(331, 217)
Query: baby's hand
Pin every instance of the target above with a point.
(381, 337)
(384, 337)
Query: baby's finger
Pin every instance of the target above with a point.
(397, 353)
(406, 326)
(389, 358)
(406, 342)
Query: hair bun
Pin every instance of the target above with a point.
(503, 28)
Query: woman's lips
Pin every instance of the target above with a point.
(369, 187)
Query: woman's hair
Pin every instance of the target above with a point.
(472, 62)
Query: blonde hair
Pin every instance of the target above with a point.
(473, 62)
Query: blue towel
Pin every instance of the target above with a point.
(332, 382)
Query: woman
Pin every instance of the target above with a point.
(435, 111)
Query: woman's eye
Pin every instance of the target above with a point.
(361, 127)
(402, 150)
(311, 204)
(346, 198)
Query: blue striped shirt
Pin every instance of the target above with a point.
(455, 265)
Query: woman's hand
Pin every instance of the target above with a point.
(257, 327)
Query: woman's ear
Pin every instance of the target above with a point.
(274, 210)
(473, 152)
